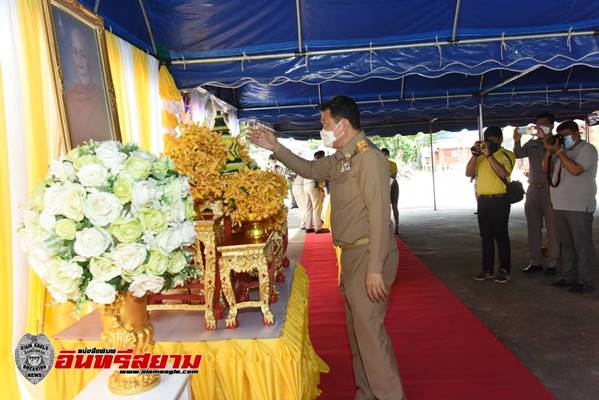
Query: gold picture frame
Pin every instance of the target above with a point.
(85, 93)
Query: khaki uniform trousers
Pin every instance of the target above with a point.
(375, 367)
(315, 199)
(538, 209)
(302, 203)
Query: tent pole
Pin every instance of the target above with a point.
(300, 45)
(430, 136)
(253, 57)
(509, 80)
(96, 6)
(480, 120)
(147, 21)
(568, 78)
(456, 17)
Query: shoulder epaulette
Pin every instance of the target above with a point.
(362, 146)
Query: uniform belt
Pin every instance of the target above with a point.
(538, 185)
(491, 196)
(359, 242)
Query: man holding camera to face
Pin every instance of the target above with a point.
(538, 207)
(571, 164)
(492, 166)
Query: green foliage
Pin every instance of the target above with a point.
(402, 148)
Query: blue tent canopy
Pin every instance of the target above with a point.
(406, 61)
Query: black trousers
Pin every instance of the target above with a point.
(493, 217)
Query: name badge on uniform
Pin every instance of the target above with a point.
(345, 165)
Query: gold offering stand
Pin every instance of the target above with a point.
(233, 264)
(240, 259)
(203, 294)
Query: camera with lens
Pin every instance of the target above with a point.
(553, 139)
(477, 149)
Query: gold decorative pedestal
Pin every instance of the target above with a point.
(126, 326)
(243, 255)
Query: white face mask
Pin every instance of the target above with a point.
(546, 129)
(328, 137)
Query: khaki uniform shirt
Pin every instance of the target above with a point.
(535, 151)
(360, 199)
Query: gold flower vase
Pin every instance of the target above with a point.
(255, 230)
(126, 326)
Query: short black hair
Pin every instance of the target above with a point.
(343, 107)
(319, 154)
(547, 116)
(493, 131)
(568, 125)
(272, 157)
(385, 152)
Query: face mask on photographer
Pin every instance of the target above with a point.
(545, 129)
(493, 147)
(568, 142)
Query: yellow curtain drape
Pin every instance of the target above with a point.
(118, 81)
(171, 100)
(135, 120)
(284, 368)
(141, 73)
(44, 141)
(32, 84)
(7, 378)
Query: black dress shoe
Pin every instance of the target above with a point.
(561, 283)
(309, 230)
(322, 230)
(580, 288)
(529, 269)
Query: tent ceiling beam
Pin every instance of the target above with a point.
(451, 96)
(568, 78)
(302, 53)
(509, 80)
(148, 27)
(300, 45)
(438, 120)
(456, 18)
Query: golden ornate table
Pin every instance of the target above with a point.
(209, 233)
(243, 255)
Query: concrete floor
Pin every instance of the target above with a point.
(553, 332)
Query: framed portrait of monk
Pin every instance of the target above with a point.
(82, 73)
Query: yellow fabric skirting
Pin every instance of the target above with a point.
(284, 368)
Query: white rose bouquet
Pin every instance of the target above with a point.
(107, 219)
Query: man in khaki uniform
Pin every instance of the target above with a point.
(361, 226)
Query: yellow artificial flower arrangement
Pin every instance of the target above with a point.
(201, 155)
(254, 195)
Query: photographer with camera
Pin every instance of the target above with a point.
(537, 207)
(492, 166)
(571, 164)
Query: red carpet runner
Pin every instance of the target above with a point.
(443, 350)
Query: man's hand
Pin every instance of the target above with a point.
(475, 150)
(540, 132)
(517, 135)
(264, 138)
(375, 287)
(551, 148)
(485, 149)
